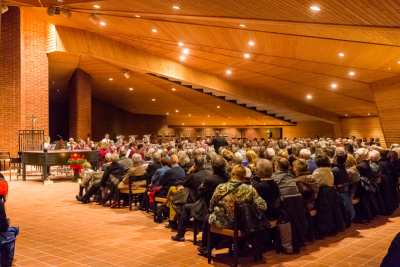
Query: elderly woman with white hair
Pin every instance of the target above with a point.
(136, 171)
(362, 163)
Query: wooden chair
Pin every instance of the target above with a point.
(234, 234)
(157, 200)
(4, 157)
(17, 160)
(132, 192)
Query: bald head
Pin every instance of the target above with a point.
(174, 159)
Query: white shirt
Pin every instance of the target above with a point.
(105, 140)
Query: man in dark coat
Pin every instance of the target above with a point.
(114, 168)
(218, 142)
(153, 167)
(192, 182)
(362, 164)
(172, 177)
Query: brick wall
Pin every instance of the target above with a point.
(80, 104)
(35, 35)
(24, 75)
(387, 99)
(10, 80)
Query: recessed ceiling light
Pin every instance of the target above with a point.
(249, 123)
(203, 123)
(176, 110)
(173, 89)
(242, 25)
(224, 123)
(167, 113)
(154, 30)
(248, 117)
(137, 16)
(351, 73)
(229, 117)
(388, 68)
(309, 96)
(346, 115)
(60, 1)
(103, 23)
(183, 58)
(153, 99)
(246, 55)
(131, 89)
(228, 71)
(208, 115)
(341, 54)
(264, 123)
(176, 7)
(315, 8)
(368, 114)
(189, 114)
(398, 62)
(280, 123)
(334, 85)
(218, 106)
(110, 79)
(183, 123)
(180, 44)
(58, 90)
(186, 51)
(251, 43)
(96, 6)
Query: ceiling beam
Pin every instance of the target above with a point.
(126, 56)
(238, 20)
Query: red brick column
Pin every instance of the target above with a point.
(80, 105)
(10, 80)
(24, 75)
(36, 35)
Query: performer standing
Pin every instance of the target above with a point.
(218, 142)
(106, 138)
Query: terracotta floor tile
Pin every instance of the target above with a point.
(63, 232)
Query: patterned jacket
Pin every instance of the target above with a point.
(222, 211)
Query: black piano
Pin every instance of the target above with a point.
(55, 158)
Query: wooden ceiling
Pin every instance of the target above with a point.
(295, 52)
(202, 108)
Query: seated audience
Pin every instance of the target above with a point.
(351, 167)
(306, 154)
(124, 160)
(160, 172)
(114, 168)
(171, 177)
(306, 184)
(284, 179)
(340, 175)
(192, 182)
(136, 171)
(323, 174)
(153, 167)
(222, 204)
(267, 188)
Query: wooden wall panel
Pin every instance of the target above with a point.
(387, 99)
(310, 129)
(362, 127)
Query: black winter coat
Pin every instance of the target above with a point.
(329, 219)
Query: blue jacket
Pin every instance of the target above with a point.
(156, 177)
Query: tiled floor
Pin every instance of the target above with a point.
(56, 230)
